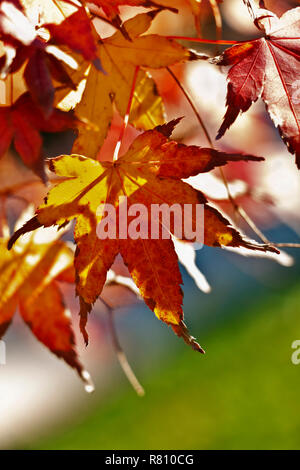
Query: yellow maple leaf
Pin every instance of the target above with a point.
(119, 58)
(149, 173)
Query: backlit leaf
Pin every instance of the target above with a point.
(149, 173)
(269, 68)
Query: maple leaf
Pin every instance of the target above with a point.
(23, 122)
(29, 276)
(43, 60)
(269, 68)
(15, 29)
(71, 31)
(120, 58)
(111, 9)
(149, 173)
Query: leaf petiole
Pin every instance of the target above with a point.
(127, 114)
(204, 41)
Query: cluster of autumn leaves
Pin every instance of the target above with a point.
(75, 79)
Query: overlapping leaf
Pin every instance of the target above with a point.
(22, 124)
(71, 33)
(149, 173)
(49, 11)
(111, 9)
(268, 67)
(41, 58)
(28, 281)
(119, 58)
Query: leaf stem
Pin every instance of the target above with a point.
(127, 114)
(204, 41)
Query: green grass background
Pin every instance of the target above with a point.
(244, 394)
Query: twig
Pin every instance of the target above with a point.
(198, 19)
(59, 8)
(287, 245)
(242, 212)
(190, 100)
(239, 210)
(218, 18)
(250, 4)
(120, 353)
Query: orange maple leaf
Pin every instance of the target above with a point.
(29, 276)
(149, 173)
(111, 9)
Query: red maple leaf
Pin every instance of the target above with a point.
(43, 62)
(269, 68)
(22, 123)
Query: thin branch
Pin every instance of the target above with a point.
(242, 212)
(252, 8)
(190, 100)
(127, 114)
(287, 245)
(120, 353)
(198, 20)
(59, 8)
(239, 210)
(218, 18)
(4, 225)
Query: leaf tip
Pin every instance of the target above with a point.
(168, 128)
(182, 331)
(85, 309)
(29, 226)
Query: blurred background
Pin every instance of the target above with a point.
(244, 393)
